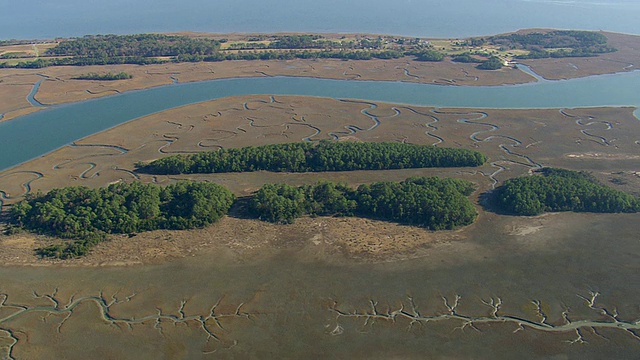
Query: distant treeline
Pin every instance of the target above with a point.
(141, 45)
(146, 49)
(323, 156)
(220, 56)
(492, 63)
(104, 77)
(571, 43)
(561, 190)
(87, 215)
(143, 49)
(427, 202)
(465, 58)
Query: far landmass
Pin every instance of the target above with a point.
(132, 62)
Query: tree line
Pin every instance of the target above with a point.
(87, 215)
(311, 157)
(428, 202)
(574, 39)
(144, 49)
(140, 45)
(104, 77)
(561, 190)
(570, 43)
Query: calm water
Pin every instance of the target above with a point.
(431, 18)
(33, 135)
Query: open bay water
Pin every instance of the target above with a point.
(32, 135)
(38, 19)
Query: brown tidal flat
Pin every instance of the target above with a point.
(602, 140)
(556, 285)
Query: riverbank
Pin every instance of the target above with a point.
(59, 86)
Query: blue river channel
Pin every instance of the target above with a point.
(36, 134)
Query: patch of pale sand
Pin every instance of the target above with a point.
(525, 230)
(595, 155)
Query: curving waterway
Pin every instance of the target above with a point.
(36, 134)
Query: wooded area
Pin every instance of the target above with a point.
(429, 202)
(86, 215)
(323, 156)
(561, 190)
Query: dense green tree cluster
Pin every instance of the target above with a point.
(104, 77)
(493, 63)
(579, 43)
(323, 156)
(220, 56)
(141, 45)
(428, 202)
(573, 39)
(563, 53)
(429, 55)
(465, 58)
(88, 214)
(81, 61)
(299, 42)
(561, 190)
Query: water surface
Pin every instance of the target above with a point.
(425, 18)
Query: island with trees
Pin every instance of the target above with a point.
(429, 202)
(325, 155)
(86, 215)
(561, 190)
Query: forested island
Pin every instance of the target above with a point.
(87, 215)
(561, 190)
(431, 202)
(314, 157)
